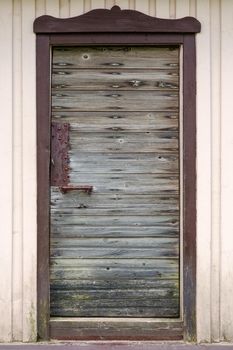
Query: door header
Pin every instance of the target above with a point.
(115, 21)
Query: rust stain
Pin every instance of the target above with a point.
(59, 154)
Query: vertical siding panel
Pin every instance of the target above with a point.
(142, 6)
(163, 8)
(76, 7)
(52, 8)
(152, 8)
(17, 276)
(40, 7)
(124, 4)
(6, 171)
(172, 10)
(203, 177)
(131, 4)
(97, 4)
(110, 3)
(227, 172)
(64, 8)
(29, 171)
(216, 154)
(192, 8)
(182, 8)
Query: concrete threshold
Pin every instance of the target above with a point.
(110, 345)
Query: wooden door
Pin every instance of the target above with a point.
(115, 182)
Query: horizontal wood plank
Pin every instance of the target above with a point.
(166, 228)
(123, 183)
(115, 101)
(125, 221)
(119, 121)
(115, 272)
(140, 163)
(165, 265)
(110, 204)
(73, 79)
(115, 57)
(131, 329)
(129, 312)
(155, 242)
(113, 283)
(121, 252)
(124, 142)
(110, 274)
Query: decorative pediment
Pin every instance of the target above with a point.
(115, 20)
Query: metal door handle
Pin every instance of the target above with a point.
(85, 188)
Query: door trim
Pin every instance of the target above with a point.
(117, 27)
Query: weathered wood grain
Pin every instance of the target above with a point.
(113, 299)
(119, 121)
(115, 252)
(73, 199)
(101, 298)
(117, 312)
(119, 252)
(113, 283)
(110, 274)
(99, 204)
(73, 79)
(84, 209)
(134, 329)
(165, 264)
(123, 183)
(115, 100)
(115, 272)
(83, 162)
(118, 247)
(59, 242)
(116, 57)
(164, 228)
(118, 221)
(125, 221)
(129, 142)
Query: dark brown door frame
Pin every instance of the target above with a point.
(117, 27)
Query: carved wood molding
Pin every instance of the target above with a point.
(115, 20)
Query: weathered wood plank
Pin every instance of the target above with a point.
(82, 209)
(81, 204)
(123, 183)
(110, 306)
(127, 121)
(121, 274)
(113, 295)
(123, 301)
(118, 247)
(155, 242)
(116, 271)
(121, 252)
(109, 200)
(113, 283)
(80, 303)
(92, 329)
(115, 141)
(126, 163)
(116, 57)
(168, 229)
(131, 221)
(73, 79)
(169, 264)
(110, 312)
(115, 101)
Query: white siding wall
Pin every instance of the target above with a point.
(214, 158)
